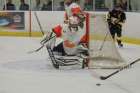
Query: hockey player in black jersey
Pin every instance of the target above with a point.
(116, 18)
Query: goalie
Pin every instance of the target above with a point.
(72, 32)
(115, 19)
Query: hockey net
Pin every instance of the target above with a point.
(102, 49)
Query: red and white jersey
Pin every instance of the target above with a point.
(71, 38)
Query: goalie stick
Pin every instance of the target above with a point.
(36, 50)
(41, 29)
(130, 64)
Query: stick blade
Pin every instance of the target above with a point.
(103, 78)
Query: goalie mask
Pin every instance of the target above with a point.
(73, 22)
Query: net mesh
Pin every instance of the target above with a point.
(103, 51)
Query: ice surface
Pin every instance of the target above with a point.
(21, 72)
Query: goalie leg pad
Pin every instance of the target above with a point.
(59, 48)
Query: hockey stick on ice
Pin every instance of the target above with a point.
(130, 64)
(36, 50)
(46, 40)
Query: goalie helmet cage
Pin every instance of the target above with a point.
(103, 52)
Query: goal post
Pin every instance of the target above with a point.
(103, 52)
